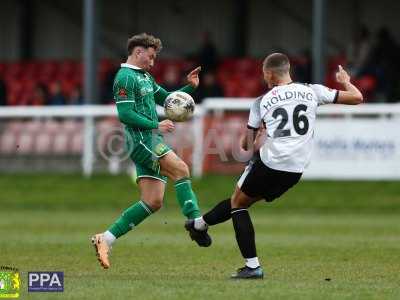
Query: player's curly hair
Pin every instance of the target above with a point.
(144, 40)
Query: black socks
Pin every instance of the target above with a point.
(219, 214)
(244, 230)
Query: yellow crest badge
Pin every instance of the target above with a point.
(10, 283)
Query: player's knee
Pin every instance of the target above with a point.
(181, 171)
(238, 202)
(155, 203)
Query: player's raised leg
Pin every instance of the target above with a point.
(151, 195)
(221, 212)
(176, 169)
(218, 214)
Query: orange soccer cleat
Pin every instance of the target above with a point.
(102, 250)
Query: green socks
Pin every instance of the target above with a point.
(139, 211)
(130, 218)
(187, 198)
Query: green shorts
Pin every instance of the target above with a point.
(146, 154)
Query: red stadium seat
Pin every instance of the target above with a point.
(231, 88)
(367, 85)
(14, 91)
(14, 69)
(66, 70)
(67, 86)
(238, 77)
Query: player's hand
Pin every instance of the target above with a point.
(342, 76)
(166, 126)
(193, 77)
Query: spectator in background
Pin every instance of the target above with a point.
(384, 64)
(172, 79)
(208, 87)
(359, 50)
(56, 95)
(302, 69)
(207, 54)
(40, 96)
(3, 93)
(75, 98)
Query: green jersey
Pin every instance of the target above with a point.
(136, 94)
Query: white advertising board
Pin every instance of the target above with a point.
(355, 148)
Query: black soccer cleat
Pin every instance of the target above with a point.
(201, 237)
(248, 273)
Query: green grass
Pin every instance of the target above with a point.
(348, 232)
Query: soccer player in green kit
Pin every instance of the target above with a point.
(136, 95)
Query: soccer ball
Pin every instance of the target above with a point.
(179, 106)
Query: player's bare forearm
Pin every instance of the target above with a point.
(253, 139)
(260, 138)
(351, 95)
(247, 140)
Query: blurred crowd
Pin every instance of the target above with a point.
(373, 60)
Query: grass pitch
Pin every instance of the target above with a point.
(323, 240)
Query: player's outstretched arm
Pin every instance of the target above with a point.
(193, 82)
(351, 95)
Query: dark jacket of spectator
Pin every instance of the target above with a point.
(56, 95)
(75, 97)
(208, 87)
(207, 54)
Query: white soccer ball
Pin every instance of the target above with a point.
(179, 106)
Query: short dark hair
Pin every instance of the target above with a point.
(277, 62)
(144, 40)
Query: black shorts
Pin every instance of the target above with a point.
(258, 180)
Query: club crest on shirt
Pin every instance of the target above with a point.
(122, 93)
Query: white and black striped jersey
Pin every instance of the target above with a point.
(288, 113)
